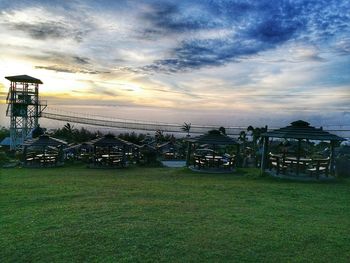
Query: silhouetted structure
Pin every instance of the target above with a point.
(43, 151)
(213, 138)
(300, 130)
(24, 107)
(110, 151)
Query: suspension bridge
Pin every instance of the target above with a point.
(138, 125)
(133, 125)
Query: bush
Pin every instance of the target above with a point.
(4, 158)
(343, 166)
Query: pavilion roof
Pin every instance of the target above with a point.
(302, 130)
(109, 140)
(44, 140)
(24, 78)
(214, 138)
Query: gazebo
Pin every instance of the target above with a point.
(300, 130)
(214, 139)
(43, 151)
(109, 151)
(82, 151)
(168, 150)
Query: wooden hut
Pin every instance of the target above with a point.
(110, 151)
(43, 151)
(212, 139)
(301, 130)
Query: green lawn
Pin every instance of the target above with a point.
(169, 215)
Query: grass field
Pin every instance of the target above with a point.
(75, 214)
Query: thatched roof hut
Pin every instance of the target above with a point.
(300, 130)
(109, 140)
(44, 141)
(214, 138)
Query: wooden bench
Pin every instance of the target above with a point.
(228, 162)
(199, 161)
(277, 162)
(318, 167)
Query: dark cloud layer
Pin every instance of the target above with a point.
(65, 69)
(46, 30)
(256, 26)
(251, 27)
(169, 18)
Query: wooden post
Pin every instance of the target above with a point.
(264, 155)
(124, 156)
(25, 155)
(44, 156)
(298, 155)
(238, 157)
(188, 156)
(109, 163)
(138, 156)
(332, 160)
(94, 158)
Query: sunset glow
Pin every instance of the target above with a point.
(229, 61)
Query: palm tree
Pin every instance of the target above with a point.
(257, 139)
(256, 134)
(243, 138)
(186, 127)
(37, 131)
(68, 131)
(159, 136)
(222, 130)
(68, 127)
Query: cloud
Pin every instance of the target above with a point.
(67, 69)
(81, 60)
(43, 23)
(223, 54)
(168, 17)
(45, 30)
(342, 47)
(255, 27)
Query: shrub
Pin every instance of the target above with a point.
(343, 166)
(4, 158)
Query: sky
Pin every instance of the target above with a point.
(228, 62)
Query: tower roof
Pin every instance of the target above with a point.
(24, 78)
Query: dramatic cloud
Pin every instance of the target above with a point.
(255, 27)
(71, 70)
(238, 56)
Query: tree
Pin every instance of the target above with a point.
(4, 133)
(222, 130)
(186, 127)
(68, 131)
(38, 131)
(70, 134)
(68, 128)
(256, 135)
(159, 136)
(257, 139)
(243, 138)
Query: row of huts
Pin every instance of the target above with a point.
(208, 151)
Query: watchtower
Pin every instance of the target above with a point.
(23, 107)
